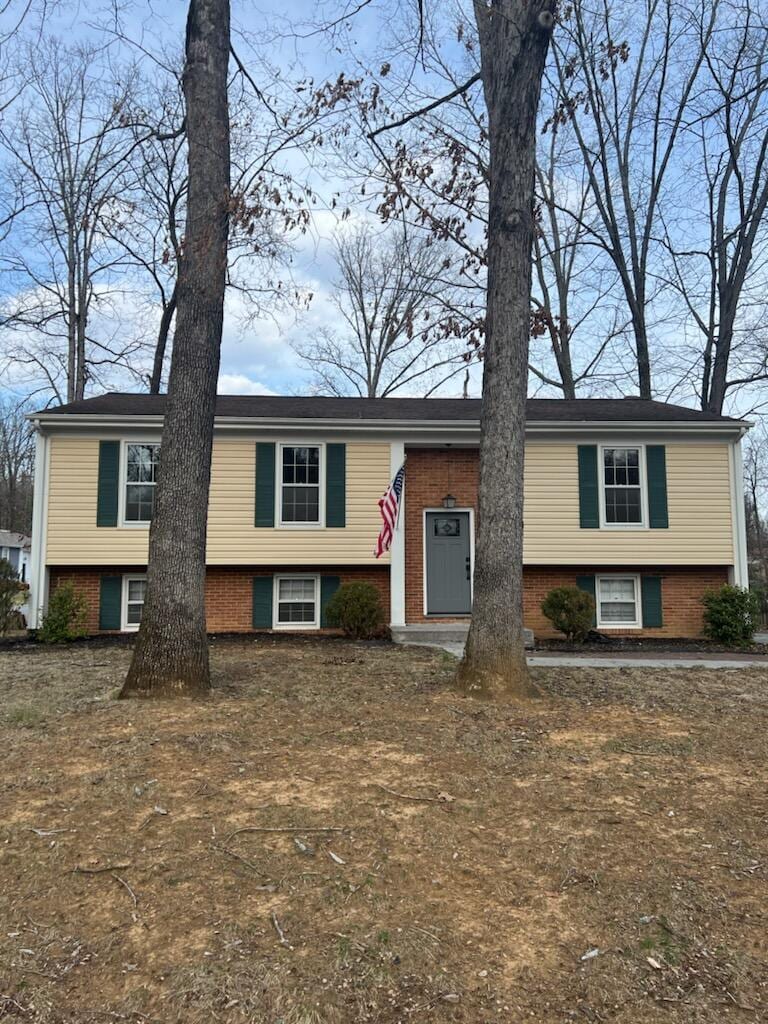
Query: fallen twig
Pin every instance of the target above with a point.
(288, 828)
(407, 796)
(79, 869)
(243, 860)
(741, 1006)
(131, 893)
(8, 1000)
(43, 832)
(279, 930)
(156, 812)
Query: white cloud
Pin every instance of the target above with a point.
(240, 384)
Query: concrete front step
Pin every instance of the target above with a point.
(439, 633)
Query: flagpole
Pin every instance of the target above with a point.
(402, 494)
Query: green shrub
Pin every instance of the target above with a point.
(571, 611)
(9, 596)
(730, 615)
(66, 616)
(356, 608)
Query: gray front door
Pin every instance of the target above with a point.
(449, 568)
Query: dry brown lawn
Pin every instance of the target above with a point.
(338, 836)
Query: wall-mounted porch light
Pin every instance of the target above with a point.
(449, 501)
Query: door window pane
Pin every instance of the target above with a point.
(447, 528)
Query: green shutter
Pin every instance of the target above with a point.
(110, 600)
(335, 484)
(587, 584)
(328, 587)
(108, 486)
(262, 602)
(650, 587)
(589, 502)
(656, 469)
(265, 486)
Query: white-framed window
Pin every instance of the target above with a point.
(618, 602)
(134, 593)
(622, 491)
(140, 461)
(300, 473)
(296, 602)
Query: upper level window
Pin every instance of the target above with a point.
(622, 486)
(300, 484)
(141, 464)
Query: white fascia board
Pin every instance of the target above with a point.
(411, 431)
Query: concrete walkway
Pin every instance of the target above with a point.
(553, 659)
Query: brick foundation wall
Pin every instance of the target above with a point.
(435, 472)
(681, 592)
(228, 591)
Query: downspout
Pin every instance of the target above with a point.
(38, 574)
(740, 564)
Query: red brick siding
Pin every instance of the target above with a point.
(435, 472)
(681, 592)
(228, 591)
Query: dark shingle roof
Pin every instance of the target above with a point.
(540, 410)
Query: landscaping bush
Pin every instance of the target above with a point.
(66, 616)
(730, 615)
(571, 611)
(356, 608)
(9, 596)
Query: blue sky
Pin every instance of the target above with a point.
(257, 355)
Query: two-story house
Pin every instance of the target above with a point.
(638, 502)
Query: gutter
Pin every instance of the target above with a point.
(424, 427)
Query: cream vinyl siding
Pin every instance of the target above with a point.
(74, 539)
(698, 496)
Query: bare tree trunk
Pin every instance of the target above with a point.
(171, 653)
(162, 341)
(514, 37)
(72, 317)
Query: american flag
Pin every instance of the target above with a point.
(389, 505)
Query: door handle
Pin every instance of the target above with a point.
(469, 570)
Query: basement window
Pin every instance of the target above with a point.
(618, 602)
(296, 602)
(134, 593)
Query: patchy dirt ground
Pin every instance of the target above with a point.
(337, 836)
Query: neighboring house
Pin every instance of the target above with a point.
(15, 548)
(636, 501)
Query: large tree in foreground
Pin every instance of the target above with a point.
(514, 37)
(171, 652)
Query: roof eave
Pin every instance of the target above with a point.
(296, 425)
